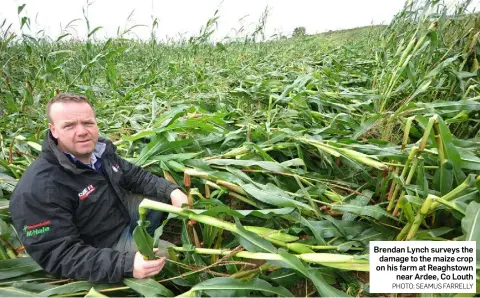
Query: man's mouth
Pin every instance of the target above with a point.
(83, 142)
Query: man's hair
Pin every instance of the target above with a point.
(66, 97)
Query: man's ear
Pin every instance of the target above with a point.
(53, 130)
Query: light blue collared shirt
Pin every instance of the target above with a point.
(94, 159)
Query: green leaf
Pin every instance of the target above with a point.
(274, 196)
(148, 287)
(323, 288)
(17, 267)
(179, 157)
(359, 200)
(371, 234)
(446, 177)
(254, 239)
(316, 234)
(421, 179)
(62, 37)
(271, 234)
(222, 209)
(215, 211)
(94, 30)
(4, 230)
(25, 20)
(143, 241)
(374, 211)
(163, 121)
(32, 287)
(284, 276)
(267, 165)
(406, 206)
(421, 89)
(4, 204)
(14, 292)
(218, 285)
(60, 53)
(467, 105)
(366, 126)
(94, 293)
(451, 151)
(73, 287)
(471, 226)
(266, 213)
(433, 234)
(20, 8)
(170, 117)
(328, 230)
(158, 146)
(470, 161)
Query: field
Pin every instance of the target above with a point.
(330, 141)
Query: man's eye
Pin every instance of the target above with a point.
(68, 126)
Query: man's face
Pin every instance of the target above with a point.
(75, 128)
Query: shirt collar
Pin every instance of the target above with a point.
(96, 155)
(93, 160)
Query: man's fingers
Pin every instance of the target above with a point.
(145, 268)
(154, 264)
(156, 270)
(153, 272)
(163, 261)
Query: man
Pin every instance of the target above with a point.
(73, 207)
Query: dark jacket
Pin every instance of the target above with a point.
(68, 215)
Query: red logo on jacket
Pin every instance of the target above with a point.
(84, 193)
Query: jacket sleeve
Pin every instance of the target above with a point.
(138, 180)
(44, 222)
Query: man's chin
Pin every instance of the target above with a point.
(85, 151)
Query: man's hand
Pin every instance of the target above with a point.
(143, 268)
(178, 198)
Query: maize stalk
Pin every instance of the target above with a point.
(249, 274)
(231, 186)
(363, 158)
(272, 235)
(413, 168)
(406, 133)
(404, 172)
(468, 183)
(207, 191)
(337, 152)
(328, 247)
(428, 129)
(243, 199)
(169, 177)
(421, 148)
(3, 254)
(422, 213)
(450, 204)
(439, 140)
(236, 191)
(404, 231)
(346, 262)
(333, 196)
(192, 232)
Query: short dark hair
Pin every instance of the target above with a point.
(66, 97)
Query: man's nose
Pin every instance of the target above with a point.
(82, 130)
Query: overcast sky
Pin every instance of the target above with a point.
(185, 17)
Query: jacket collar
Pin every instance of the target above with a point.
(53, 154)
